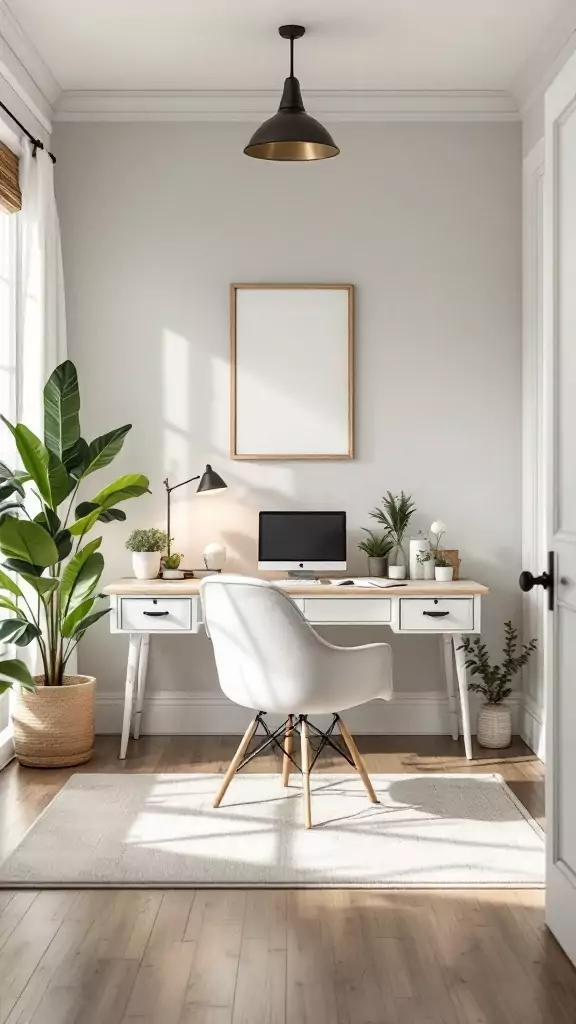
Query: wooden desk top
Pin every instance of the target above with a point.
(130, 587)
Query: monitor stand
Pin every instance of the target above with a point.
(301, 574)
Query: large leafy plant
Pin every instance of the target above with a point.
(494, 681)
(49, 581)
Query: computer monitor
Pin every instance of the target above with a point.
(302, 541)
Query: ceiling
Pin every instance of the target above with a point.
(233, 44)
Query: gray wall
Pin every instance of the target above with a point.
(158, 219)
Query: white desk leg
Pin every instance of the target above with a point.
(460, 657)
(131, 673)
(142, 669)
(446, 640)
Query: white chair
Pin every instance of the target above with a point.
(270, 659)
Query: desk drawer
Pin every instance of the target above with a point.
(438, 615)
(347, 609)
(146, 614)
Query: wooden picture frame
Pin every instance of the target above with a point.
(291, 371)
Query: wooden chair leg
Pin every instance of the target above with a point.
(359, 763)
(236, 761)
(288, 748)
(305, 772)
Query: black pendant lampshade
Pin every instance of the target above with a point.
(291, 134)
(210, 481)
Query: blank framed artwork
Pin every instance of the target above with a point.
(292, 371)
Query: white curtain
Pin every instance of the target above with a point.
(41, 313)
(40, 308)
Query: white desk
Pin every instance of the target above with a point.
(143, 608)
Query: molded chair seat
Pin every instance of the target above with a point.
(269, 659)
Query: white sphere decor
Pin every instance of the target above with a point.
(214, 556)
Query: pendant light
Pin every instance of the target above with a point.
(291, 134)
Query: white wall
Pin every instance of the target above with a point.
(424, 219)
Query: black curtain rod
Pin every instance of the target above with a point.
(37, 144)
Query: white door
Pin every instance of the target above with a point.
(559, 275)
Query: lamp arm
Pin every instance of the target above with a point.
(168, 510)
(175, 486)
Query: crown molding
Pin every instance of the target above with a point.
(23, 69)
(255, 105)
(546, 60)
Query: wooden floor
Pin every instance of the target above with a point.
(277, 957)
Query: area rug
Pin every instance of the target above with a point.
(161, 831)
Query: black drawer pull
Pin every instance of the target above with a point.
(156, 613)
(436, 615)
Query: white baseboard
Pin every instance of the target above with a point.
(531, 725)
(6, 747)
(174, 712)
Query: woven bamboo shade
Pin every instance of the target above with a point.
(10, 195)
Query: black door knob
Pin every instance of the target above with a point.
(527, 581)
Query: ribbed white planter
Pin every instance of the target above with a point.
(494, 726)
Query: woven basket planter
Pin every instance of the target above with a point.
(54, 727)
(494, 726)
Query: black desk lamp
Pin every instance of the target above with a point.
(209, 481)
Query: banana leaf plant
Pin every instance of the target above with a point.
(50, 574)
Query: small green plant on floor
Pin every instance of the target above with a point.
(494, 681)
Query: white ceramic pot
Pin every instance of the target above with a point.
(146, 564)
(397, 572)
(172, 574)
(443, 573)
(428, 568)
(494, 726)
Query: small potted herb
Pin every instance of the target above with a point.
(146, 547)
(395, 515)
(376, 546)
(443, 571)
(494, 683)
(170, 564)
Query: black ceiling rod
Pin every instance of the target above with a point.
(36, 143)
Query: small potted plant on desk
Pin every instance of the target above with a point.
(377, 548)
(50, 586)
(170, 567)
(443, 571)
(146, 547)
(494, 683)
(395, 515)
